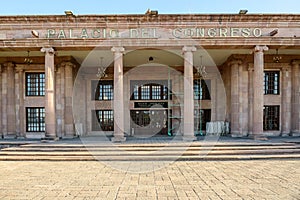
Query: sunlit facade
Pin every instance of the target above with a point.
(149, 75)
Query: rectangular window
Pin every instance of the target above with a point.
(145, 92)
(151, 91)
(102, 120)
(35, 119)
(156, 92)
(201, 117)
(271, 118)
(136, 92)
(201, 89)
(271, 82)
(102, 90)
(35, 84)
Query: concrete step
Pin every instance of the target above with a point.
(114, 148)
(158, 145)
(164, 152)
(149, 158)
(150, 152)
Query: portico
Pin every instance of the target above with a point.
(63, 94)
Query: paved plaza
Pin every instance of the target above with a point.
(253, 179)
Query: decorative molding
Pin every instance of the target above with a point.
(251, 68)
(19, 68)
(260, 48)
(67, 64)
(7, 66)
(189, 49)
(48, 50)
(295, 62)
(235, 62)
(118, 49)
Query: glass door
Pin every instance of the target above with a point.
(153, 122)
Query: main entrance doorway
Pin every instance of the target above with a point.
(149, 122)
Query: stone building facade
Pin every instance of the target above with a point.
(145, 75)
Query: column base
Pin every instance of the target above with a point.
(285, 134)
(236, 135)
(20, 137)
(50, 138)
(259, 137)
(118, 139)
(189, 138)
(295, 134)
(69, 136)
(9, 136)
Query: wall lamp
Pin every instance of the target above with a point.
(243, 12)
(69, 13)
(35, 33)
(274, 32)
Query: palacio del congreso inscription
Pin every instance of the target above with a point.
(178, 33)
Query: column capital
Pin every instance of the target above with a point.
(8, 64)
(285, 68)
(67, 64)
(118, 49)
(260, 48)
(19, 68)
(48, 50)
(295, 62)
(189, 49)
(2, 67)
(235, 62)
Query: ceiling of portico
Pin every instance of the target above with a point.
(132, 58)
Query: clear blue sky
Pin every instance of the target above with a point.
(81, 7)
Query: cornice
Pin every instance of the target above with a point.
(160, 18)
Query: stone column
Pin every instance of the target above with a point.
(295, 99)
(220, 99)
(50, 117)
(58, 97)
(19, 102)
(250, 102)
(4, 100)
(11, 112)
(62, 100)
(235, 101)
(69, 122)
(286, 102)
(81, 97)
(258, 92)
(213, 96)
(118, 95)
(243, 100)
(1, 128)
(188, 113)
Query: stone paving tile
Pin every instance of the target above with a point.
(268, 179)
